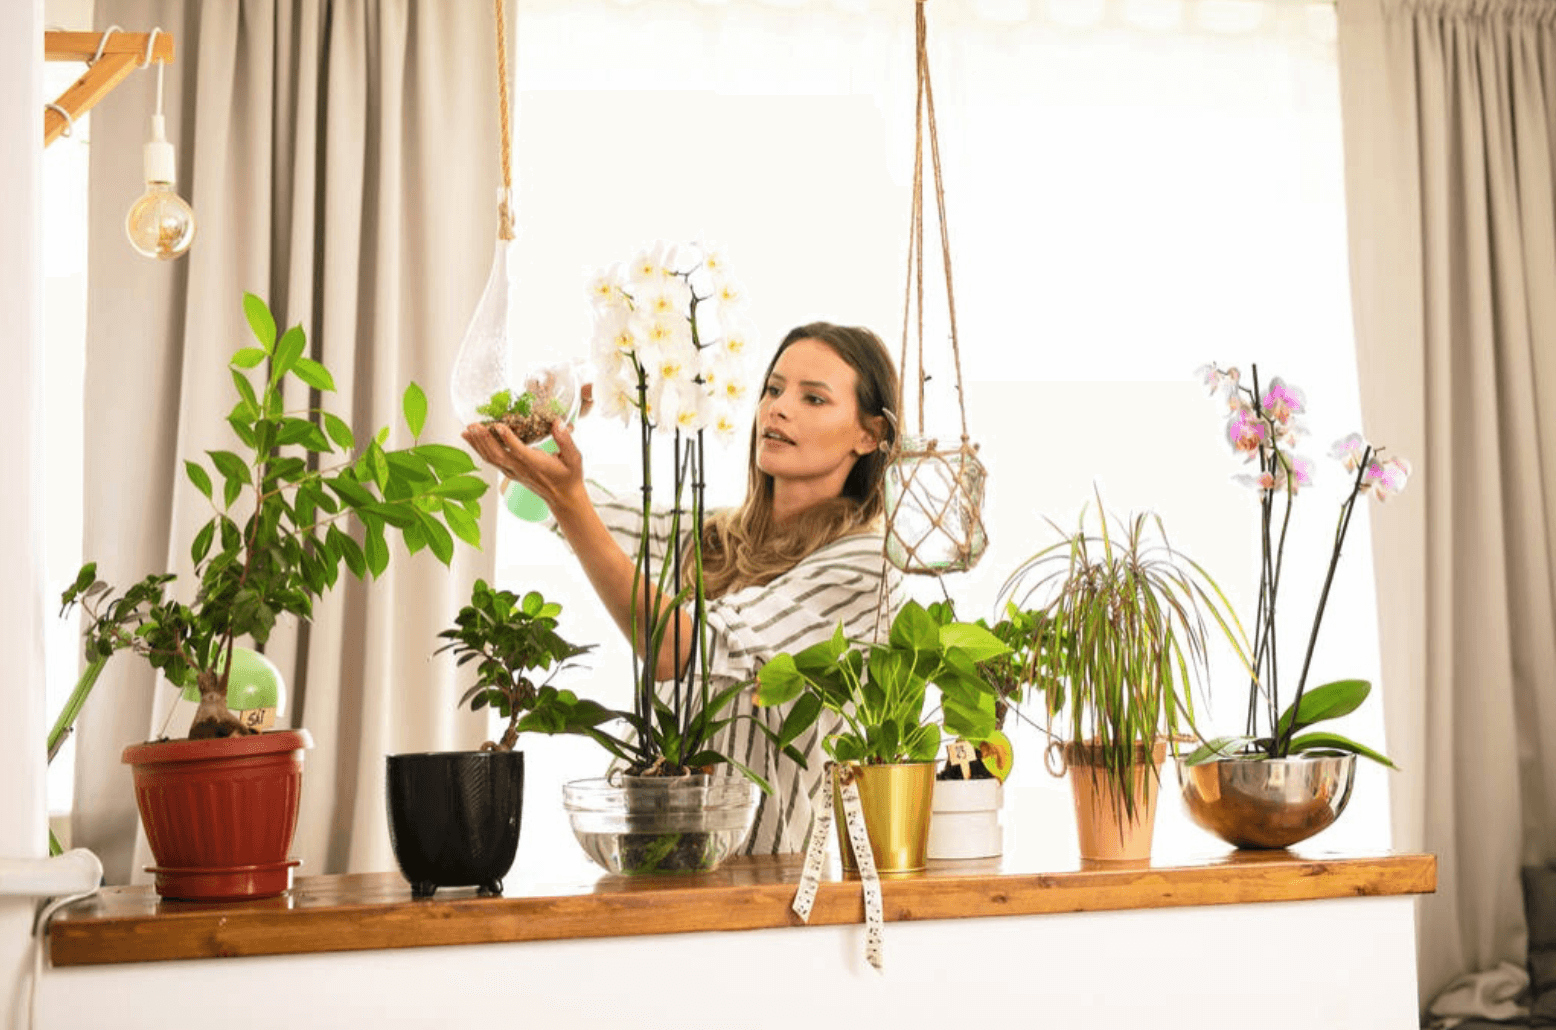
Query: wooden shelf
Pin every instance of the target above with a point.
(375, 910)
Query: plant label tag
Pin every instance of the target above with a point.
(257, 719)
(961, 754)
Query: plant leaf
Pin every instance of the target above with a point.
(260, 321)
(248, 357)
(288, 350)
(1329, 701)
(1335, 742)
(314, 374)
(415, 405)
(339, 431)
(197, 475)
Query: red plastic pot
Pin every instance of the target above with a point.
(220, 814)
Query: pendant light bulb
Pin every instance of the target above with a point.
(160, 224)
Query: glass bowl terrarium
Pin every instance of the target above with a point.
(641, 825)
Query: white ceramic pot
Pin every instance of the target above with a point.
(966, 819)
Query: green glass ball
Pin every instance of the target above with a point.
(255, 683)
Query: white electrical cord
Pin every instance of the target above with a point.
(110, 30)
(40, 946)
(70, 123)
(66, 878)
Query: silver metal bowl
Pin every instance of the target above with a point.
(1268, 802)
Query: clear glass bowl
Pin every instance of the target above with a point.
(659, 825)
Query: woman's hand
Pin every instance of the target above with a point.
(557, 479)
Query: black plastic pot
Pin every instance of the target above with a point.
(454, 817)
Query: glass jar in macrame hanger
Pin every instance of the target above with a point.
(935, 482)
(481, 368)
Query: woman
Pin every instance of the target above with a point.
(801, 554)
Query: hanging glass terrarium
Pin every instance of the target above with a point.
(934, 507)
(934, 484)
(481, 385)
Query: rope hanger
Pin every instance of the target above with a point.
(505, 137)
(940, 491)
(924, 112)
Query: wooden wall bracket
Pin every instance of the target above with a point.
(121, 55)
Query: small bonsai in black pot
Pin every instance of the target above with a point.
(454, 816)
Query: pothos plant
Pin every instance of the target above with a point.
(282, 515)
(1028, 636)
(880, 691)
(512, 638)
(1263, 427)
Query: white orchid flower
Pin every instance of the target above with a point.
(725, 428)
(654, 265)
(607, 289)
(729, 298)
(739, 339)
(685, 407)
(616, 401)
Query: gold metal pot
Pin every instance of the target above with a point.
(897, 800)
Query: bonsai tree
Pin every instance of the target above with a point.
(277, 536)
(880, 690)
(1132, 616)
(512, 637)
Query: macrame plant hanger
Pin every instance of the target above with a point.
(934, 494)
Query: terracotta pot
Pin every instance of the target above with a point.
(896, 800)
(220, 814)
(1106, 830)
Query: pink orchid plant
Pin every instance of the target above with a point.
(1264, 428)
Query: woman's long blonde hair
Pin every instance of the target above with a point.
(742, 547)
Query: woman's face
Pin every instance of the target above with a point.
(808, 428)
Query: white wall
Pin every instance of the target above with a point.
(22, 809)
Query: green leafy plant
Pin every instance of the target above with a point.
(1262, 426)
(277, 537)
(1129, 615)
(880, 690)
(512, 637)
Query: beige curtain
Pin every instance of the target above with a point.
(341, 158)
(1450, 132)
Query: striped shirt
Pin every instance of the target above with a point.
(837, 583)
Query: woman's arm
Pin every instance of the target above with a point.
(558, 480)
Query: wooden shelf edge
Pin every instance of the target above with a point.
(225, 931)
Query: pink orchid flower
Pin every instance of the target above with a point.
(1300, 470)
(1349, 450)
(1385, 478)
(1263, 481)
(1246, 432)
(1282, 400)
(1210, 376)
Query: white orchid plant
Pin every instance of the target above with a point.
(670, 348)
(671, 340)
(1264, 427)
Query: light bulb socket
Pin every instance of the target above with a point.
(157, 157)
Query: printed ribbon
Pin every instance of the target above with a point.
(859, 840)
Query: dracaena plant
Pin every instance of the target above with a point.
(880, 691)
(1264, 427)
(283, 508)
(1130, 619)
(513, 639)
